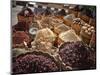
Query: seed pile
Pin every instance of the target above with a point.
(34, 63)
(77, 55)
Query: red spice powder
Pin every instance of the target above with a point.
(21, 26)
(19, 37)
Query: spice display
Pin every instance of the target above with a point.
(50, 37)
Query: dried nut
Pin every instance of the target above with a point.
(92, 30)
(86, 31)
(89, 33)
(42, 42)
(88, 25)
(89, 29)
(84, 27)
(85, 24)
(92, 27)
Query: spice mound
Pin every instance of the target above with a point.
(35, 62)
(20, 38)
(77, 55)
